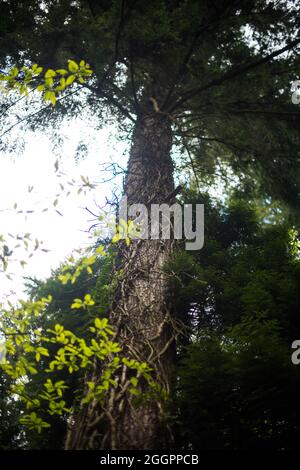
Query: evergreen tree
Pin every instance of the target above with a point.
(237, 385)
(212, 78)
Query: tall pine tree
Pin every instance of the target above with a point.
(210, 77)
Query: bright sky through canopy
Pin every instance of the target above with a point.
(28, 182)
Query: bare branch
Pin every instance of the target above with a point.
(28, 116)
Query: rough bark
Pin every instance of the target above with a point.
(140, 313)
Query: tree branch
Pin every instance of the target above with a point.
(28, 116)
(233, 74)
(111, 100)
(133, 86)
(203, 28)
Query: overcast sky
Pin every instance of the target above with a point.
(36, 168)
(29, 182)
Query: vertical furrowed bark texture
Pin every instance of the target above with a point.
(140, 313)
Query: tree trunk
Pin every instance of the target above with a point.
(140, 313)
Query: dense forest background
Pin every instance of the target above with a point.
(239, 301)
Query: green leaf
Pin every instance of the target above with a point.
(62, 71)
(73, 67)
(70, 80)
(134, 381)
(14, 72)
(50, 73)
(52, 98)
(88, 300)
